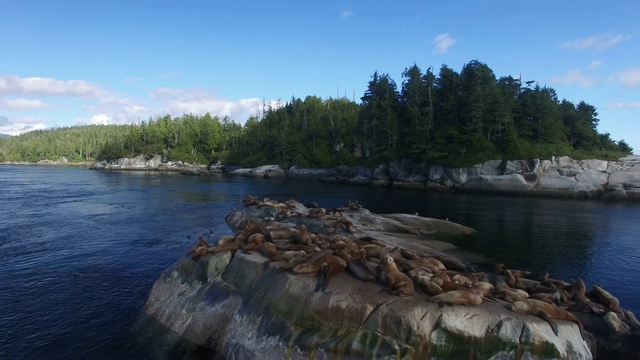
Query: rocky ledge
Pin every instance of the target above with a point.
(557, 177)
(155, 163)
(302, 282)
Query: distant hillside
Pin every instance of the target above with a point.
(4, 136)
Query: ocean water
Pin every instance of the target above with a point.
(80, 249)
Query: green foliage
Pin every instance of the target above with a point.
(449, 118)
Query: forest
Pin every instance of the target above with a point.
(449, 118)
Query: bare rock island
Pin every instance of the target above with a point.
(302, 282)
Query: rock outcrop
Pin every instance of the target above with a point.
(154, 163)
(558, 177)
(243, 305)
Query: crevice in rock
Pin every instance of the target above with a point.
(520, 348)
(375, 309)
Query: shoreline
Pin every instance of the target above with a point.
(559, 177)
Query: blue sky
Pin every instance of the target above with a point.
(82, 62)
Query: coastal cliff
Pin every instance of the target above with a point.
(243, 304)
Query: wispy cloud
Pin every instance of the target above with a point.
(132, 79)
(23, 104)
(200, 101)
(442, 43)
(345, 14)
(574, 77)
(597, 42)
(628, 78)
(14, 85)
(19, 125)
(623, 105)
(595, 65)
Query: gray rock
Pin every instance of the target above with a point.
(308, 174)
(624, 184)
(244, 307)
(512, 183)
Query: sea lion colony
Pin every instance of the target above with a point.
(336, 248)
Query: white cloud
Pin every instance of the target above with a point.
(628, 78)
(345, 14)
(574, 77)
(623, 105)
(23, 104)
(19, 125)
(595, 65)
(442, 43)
(108, 107)
(14, 85)
(597, 42)
(132, 79)
(178, 101)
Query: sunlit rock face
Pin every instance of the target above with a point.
(243, 305)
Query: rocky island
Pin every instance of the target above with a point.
(303, 282)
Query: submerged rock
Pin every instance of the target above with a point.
(245, 305)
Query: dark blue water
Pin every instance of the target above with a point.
(80, 249)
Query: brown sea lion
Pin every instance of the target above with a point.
(605, 298)
(547, 312)
(202, 241)
(314, 264)
(514, 281)
(395, 280)
(253, 241)
(457, 297)
(328, 269)
(303, 235)
(198, 252)
(225, 239)
(426, 285)
(287, 233)
(614, 322)
(583, 303)
(360, 270)
(508, 295)
(253, 227)
(250, 200)
(268, 249)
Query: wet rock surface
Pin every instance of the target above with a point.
(296, 281)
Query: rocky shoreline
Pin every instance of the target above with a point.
(558, 177)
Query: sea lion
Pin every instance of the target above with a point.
(508, 295)
(461, 279)
(614, 322)
(202, 241)
(514, 281)
(303, 235)
(268, 249)
(605, 298)
(360, 270)
(253, 241)
(583, 303)
(225, 239)
(250, 200)
(314, 264)
(458, 297)
(547, 312)
(395, 280)
(328, 269)
(426, 285)
(252, 227)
